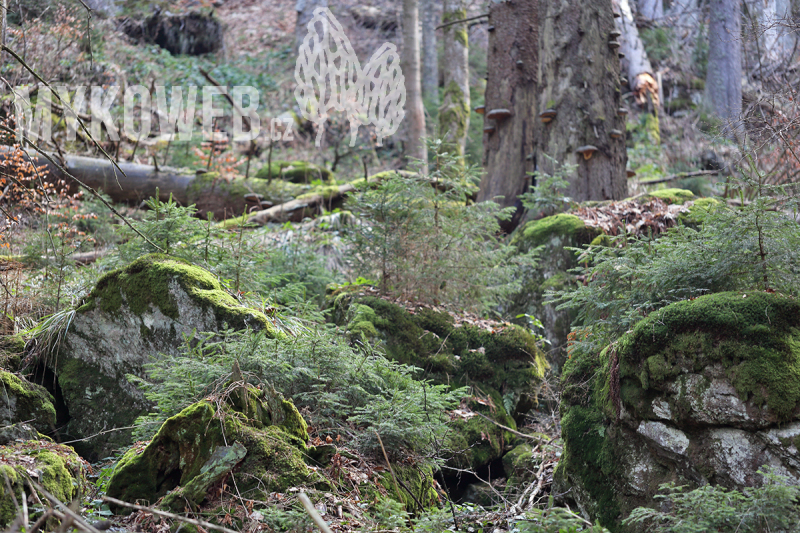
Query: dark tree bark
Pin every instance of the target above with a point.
(415, 112)
(553, 56)
(724, 72)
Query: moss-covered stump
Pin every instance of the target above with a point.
(295, 172)
(132, 315)
(270, 430)
(57, 468)
(503, 366)
(701, 391)
(554, 234)
(24, 402)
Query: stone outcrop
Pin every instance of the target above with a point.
(705, 391)
(255, 434)
(132, 315)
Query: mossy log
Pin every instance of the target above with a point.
(208, 191)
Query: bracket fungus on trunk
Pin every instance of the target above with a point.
(548, 115)
(489, 129)
(622, 112)
(616, 134)
(481, 109)
(498, 114)
(587, 151)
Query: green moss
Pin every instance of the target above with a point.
(539, 232)
(754, 336)
(31, 402)
(295, 172)
(61, 473)
(673, 196)
(699, 209)
(454, 114)
(418, 479)
(601, 240)
(145, 283)
(185, 442)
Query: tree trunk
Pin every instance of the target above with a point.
(415, 112)
(651, 9)
(305, 12)
(580, 80)
(455, 110)
(635, 63)
(509, 143)
(430, 56)
(724, 73)
(554, 56)
(208, 192)
(775, 33)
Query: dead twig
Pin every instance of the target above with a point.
(200, 523)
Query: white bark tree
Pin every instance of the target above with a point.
(635, 63)
(415, 112)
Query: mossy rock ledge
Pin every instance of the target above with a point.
(58, 469)
(504, 367)
(555, 235)
(133, 314)
(708, 391)
(23, 403)
(260, 435)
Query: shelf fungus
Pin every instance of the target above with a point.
(630, 173)
(614, 45)
(481, 109)
(622, 112)
(587, 151)
(621, 55)
(498, 114)
(489, 130)
(617, 14)
(614, 34)
(616, 134)
(548, 115)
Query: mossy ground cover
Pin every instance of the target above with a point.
(25, 402)
(57, 468)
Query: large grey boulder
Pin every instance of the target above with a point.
(132, 315)
(701, 392)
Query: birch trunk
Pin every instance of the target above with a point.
(455, 110)
(415, 112)
(430, 56)
(724, 73)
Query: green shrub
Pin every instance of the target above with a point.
(772, 507)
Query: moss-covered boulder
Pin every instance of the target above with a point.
(554, 236)
(57, 468)
(24, 402)
(672, 196)
(503, 366)
(295, 172)
(701, 391)
(133, 314)
(270, 430)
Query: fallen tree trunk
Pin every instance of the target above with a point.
(635, 62)
(311, 204)
(209, 192)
